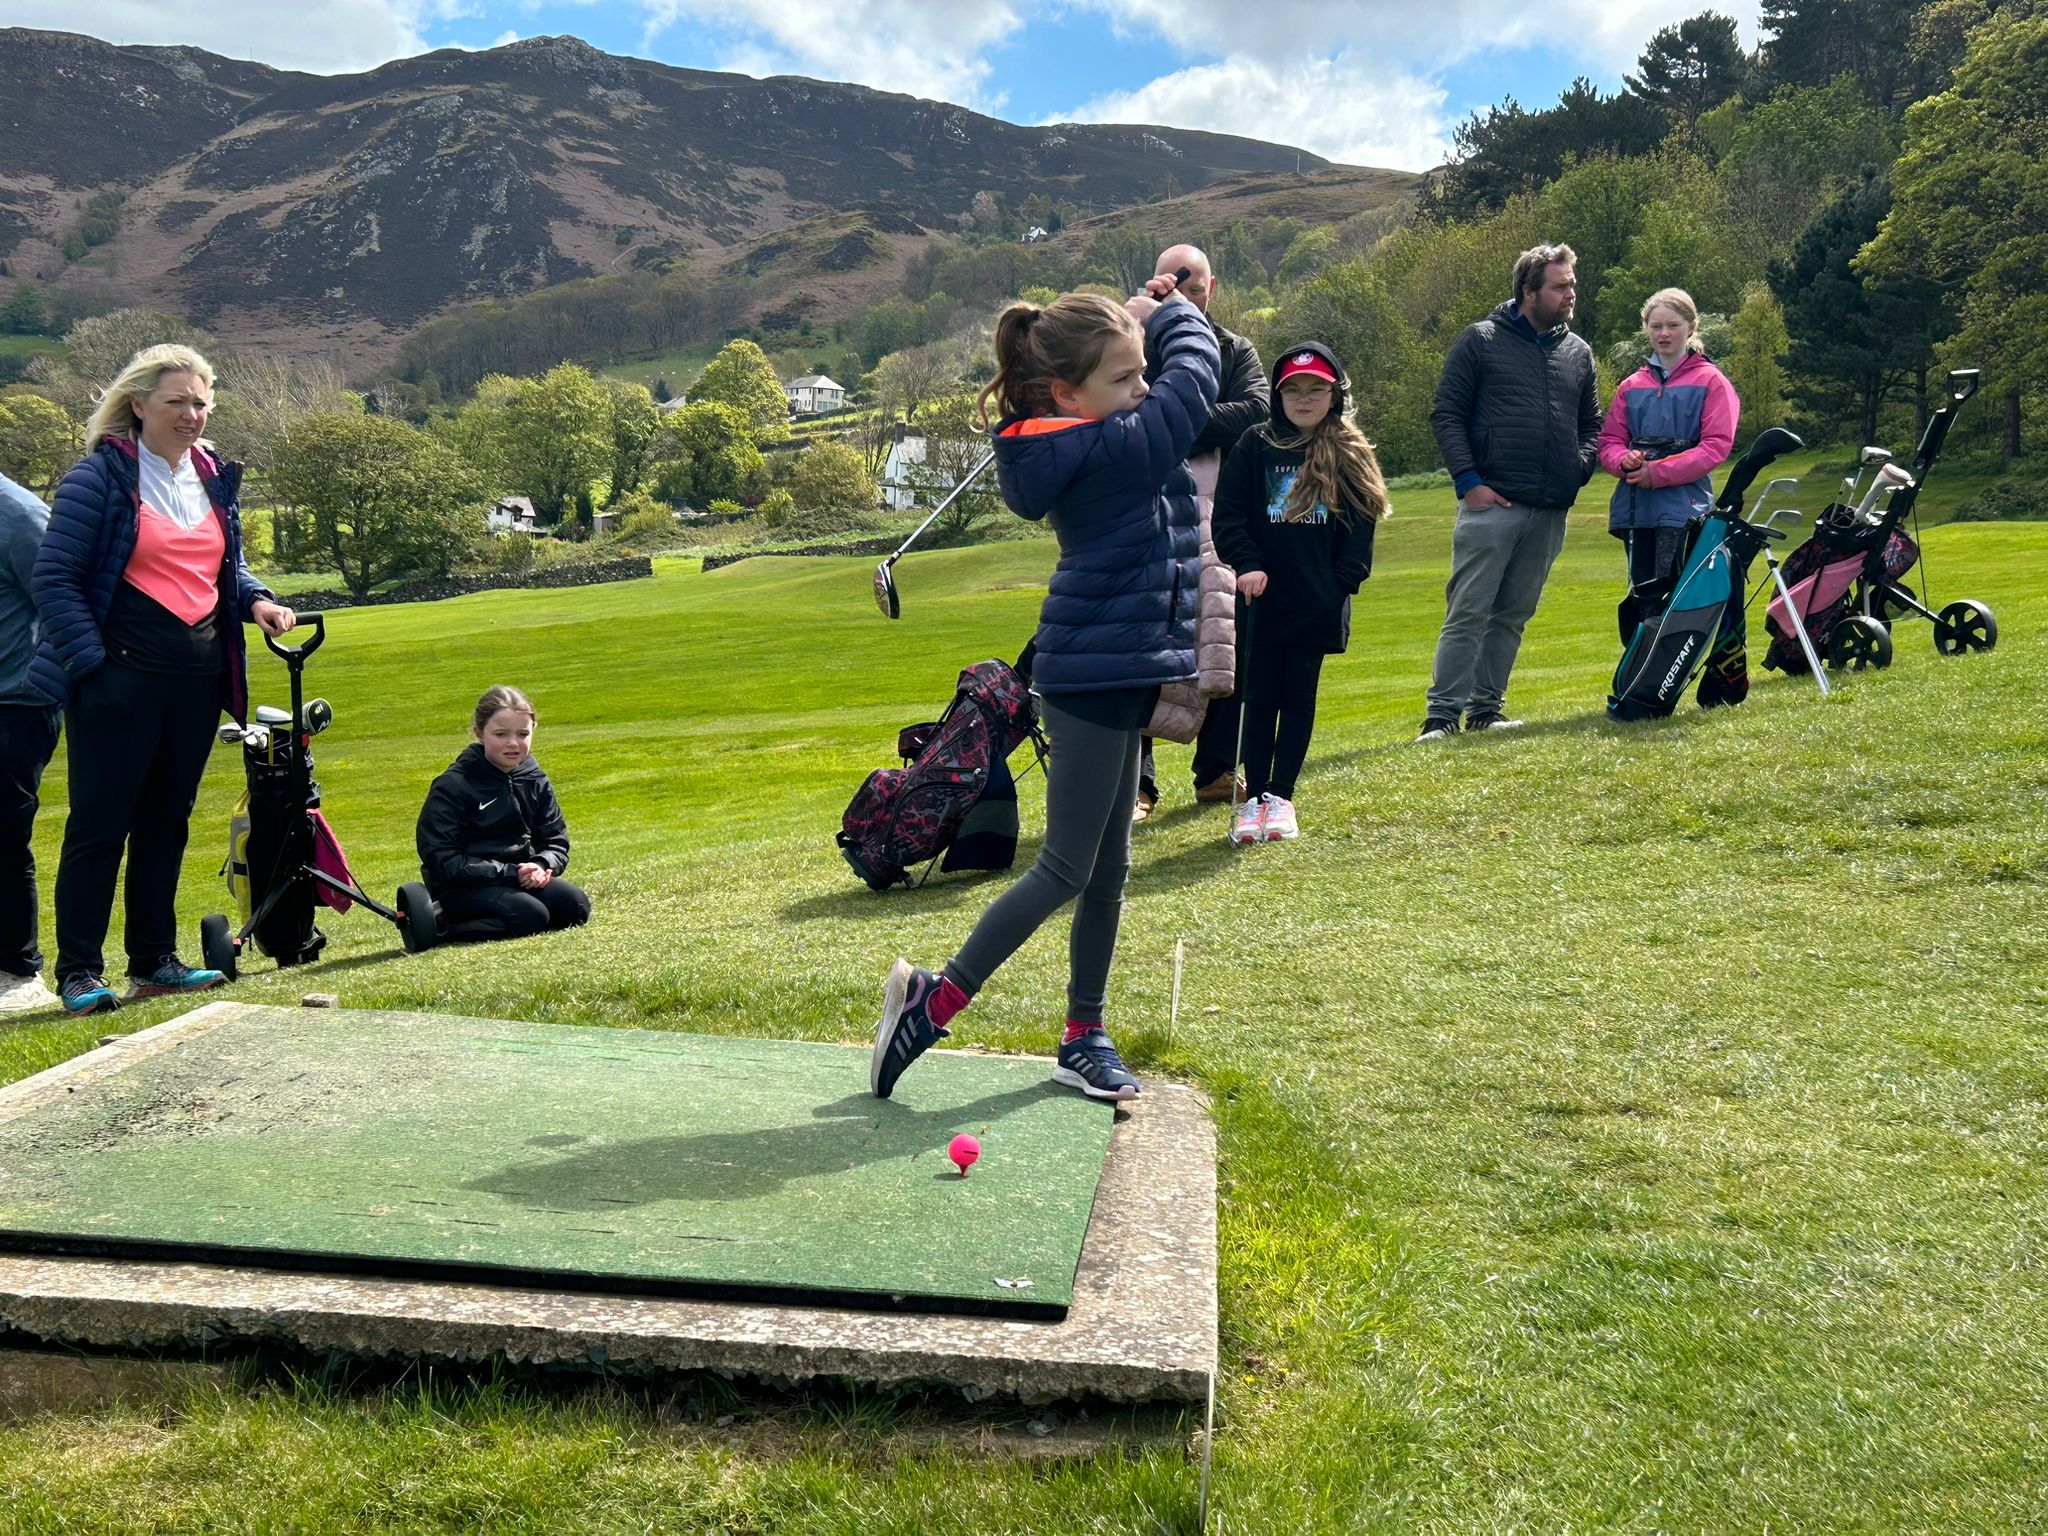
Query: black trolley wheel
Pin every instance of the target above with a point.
(1964, 625)
(419, 924)
(1859, 642)
(217, 948)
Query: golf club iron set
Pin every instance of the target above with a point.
(270, 719)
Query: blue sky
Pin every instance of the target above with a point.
(1379, 82)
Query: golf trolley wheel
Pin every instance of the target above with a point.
(1859, 642)
(217, 945)
(419, 924)
(1964, 625)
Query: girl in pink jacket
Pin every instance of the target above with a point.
(1671, 425)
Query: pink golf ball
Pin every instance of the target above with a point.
(963, 1149)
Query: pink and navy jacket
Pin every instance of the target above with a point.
(1696, 404)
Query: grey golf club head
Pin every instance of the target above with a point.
(1783, 482)
(885, 590)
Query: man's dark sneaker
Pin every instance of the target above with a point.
(906, 1031)
(1092, 1065)
(1438, 728)
(1491, 723)
(87, 994)
(172, 975)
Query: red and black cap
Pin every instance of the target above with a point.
(1311, 360)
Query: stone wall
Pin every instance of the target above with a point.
(579, 573)
(880, 546)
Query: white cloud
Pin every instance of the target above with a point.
(1404, 34)
(328, 37)
(893, 45)
(504, 37)
(1344, 108)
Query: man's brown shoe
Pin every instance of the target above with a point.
(1225, 786)
(1146, 801)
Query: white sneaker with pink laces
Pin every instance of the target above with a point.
(1249, 825)
(1279, 823)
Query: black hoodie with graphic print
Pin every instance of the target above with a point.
(481, 823)
(1312, 566)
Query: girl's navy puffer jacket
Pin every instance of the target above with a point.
(1120, 609)
(79, 567)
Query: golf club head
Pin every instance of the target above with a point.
(230, 734)
(1769, 444)
(885, 592)
(1872, 454)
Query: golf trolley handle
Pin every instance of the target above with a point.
(294, 656)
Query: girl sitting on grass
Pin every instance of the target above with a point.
(492, 841)
(1086, 445)
(1295, 510)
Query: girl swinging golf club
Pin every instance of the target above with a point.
(1084, 444)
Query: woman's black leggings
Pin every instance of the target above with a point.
(138, 743)
(1279, 715)
(479, 912)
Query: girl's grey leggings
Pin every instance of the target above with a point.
(1091, 781)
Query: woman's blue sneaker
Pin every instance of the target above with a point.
(906, 1031)
(1091, 1064)
(87, 994)
(172, 976)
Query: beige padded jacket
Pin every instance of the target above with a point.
(1182, 705)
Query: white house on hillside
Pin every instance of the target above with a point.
(512, 514)
(906, 453)
(814, 393)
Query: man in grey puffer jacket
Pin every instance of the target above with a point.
(1517, 420)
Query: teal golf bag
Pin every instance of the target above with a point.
(1702, 620)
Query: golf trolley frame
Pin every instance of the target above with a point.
(220, 946)
(1863, 637)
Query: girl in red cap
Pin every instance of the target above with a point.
(1295, 510)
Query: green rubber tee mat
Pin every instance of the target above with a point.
(568, 1158)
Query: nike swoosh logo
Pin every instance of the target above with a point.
(487, 804)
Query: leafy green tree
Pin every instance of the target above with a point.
(1122, 256)
(742, 377)
(906, 380)
(1509, 151)
(707, 454)
(39, 441)
(1810, 42)
(1971, 209)
(635, 421)
(832, 489)
(1690, 68)
(1855, 344)
(1308, 251)
(1791, 154)
(479, 431)
(953, 447)
(557, 437)
(23, 314)
(1754, 363)
(1599, 207)
(386, 500)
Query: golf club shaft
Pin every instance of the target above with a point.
(971, 476)
(1244, 661)
(1798, 624)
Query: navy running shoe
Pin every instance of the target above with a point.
(172, 976)
(87, 994)
(1092, 1065)
(906, 1031)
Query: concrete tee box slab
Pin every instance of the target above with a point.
(1141, 1324)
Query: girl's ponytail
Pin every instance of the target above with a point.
(1014, 360)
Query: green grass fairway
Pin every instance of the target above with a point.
(635, 1160)
(1621, 1128)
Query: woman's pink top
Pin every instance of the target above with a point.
(177, 568)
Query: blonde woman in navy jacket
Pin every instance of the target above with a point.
(143, 592)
